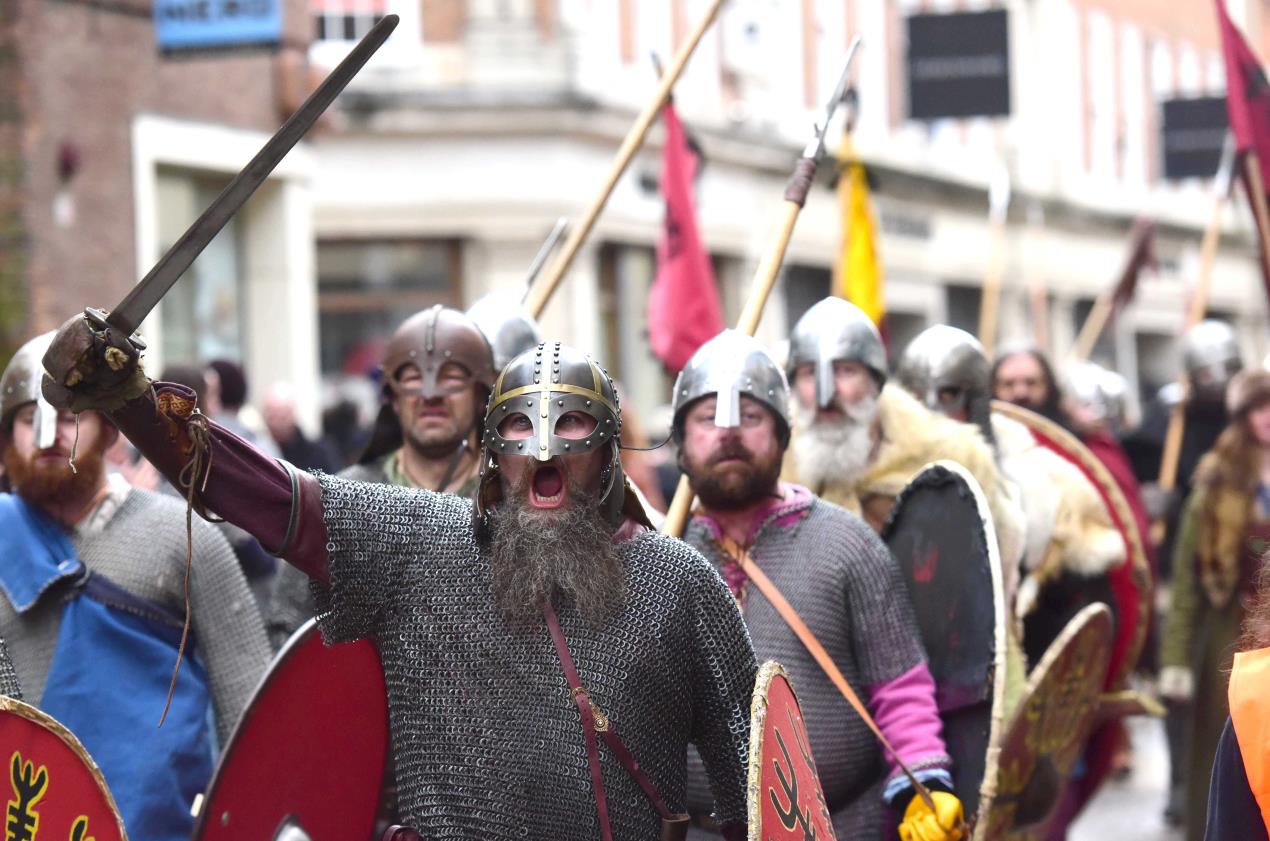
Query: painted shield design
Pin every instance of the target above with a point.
(942, 537)
(49, 784)
(309, 753)
(1049, 729)
(786, 802)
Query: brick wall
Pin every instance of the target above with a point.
(87, 68)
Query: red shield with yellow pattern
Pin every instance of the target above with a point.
(784, 794)
(49, 785)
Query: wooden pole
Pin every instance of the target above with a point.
(990, 304)
(1094, 324)
(541, 292)
(1194, 315)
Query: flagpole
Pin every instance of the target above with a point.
(990, 298)
(543, 289)
(1172, 453)
(765, 275)
(1140, 236)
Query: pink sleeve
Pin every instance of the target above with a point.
(904, 709)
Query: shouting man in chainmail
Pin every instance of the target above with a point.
(93, 594)
(437, 373)
(730, 416)
(548, 658)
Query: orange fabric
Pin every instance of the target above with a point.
(1250, 714)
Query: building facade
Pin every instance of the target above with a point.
(486, 120)
(111, 146)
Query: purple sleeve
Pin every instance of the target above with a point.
(277, 505)
(904, 709)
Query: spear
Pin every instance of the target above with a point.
(544, 252)
(543, 289)
(796, 191)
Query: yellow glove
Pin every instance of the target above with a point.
(943, 824)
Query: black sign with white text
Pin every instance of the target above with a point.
(1192, 136)
(958, 65)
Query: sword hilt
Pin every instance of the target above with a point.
(100, 319)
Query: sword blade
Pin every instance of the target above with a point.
(145, 296)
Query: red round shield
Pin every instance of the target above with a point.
(49, 783)
(785, 797)
(310, 748)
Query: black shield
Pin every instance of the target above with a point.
(941, 534)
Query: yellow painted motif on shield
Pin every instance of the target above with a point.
(28, 785)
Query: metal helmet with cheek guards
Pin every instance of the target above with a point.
(545, 384)
(509, 329)
(730, 365)
(428, 340)
(835, 329)
(20, 384)
(1210, 355)
(947, 370)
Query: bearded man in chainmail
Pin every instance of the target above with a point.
(437, 372)
(730, 410)
(517, 633)
(857, 441)
(93, 599)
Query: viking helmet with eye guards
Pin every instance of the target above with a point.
(947, 370)
(544, 385)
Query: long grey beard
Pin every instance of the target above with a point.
(833, 452)
(567, 556)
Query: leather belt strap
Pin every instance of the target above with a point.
(818, 652)
(595, 721)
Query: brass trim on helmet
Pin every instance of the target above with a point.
(552, 387)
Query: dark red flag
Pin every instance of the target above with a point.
(1141, 255)
(1248, 105)
(683, 306)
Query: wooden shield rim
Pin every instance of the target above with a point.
(1076, 625)
(288, 650)
(996, 730)
(1078, 452)
(43, 719)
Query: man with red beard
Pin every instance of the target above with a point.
(94, 597)
(730, 409)
(518, 633)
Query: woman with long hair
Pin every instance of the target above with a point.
(1222, 539)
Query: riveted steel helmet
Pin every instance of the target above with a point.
(428, 340)
(730, 365)
(509, 329)
(20, 384)
(1210, 355)
(947, 370)
(835, 329)
(1103, 393)
(545, 384)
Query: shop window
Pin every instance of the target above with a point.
(368, 287)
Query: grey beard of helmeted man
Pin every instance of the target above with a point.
(564, 555)
(833, 450)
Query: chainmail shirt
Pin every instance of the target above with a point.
(487, 740)
(846, 586)
(8, 677)
(142, 548)
(291, 603)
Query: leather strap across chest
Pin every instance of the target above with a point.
(596, 725)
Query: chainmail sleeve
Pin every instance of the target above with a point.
(8, 677)
(373, 536)
(290, 604)
(723, 671)
(887, 642)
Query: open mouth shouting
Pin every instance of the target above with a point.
(546, 487)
